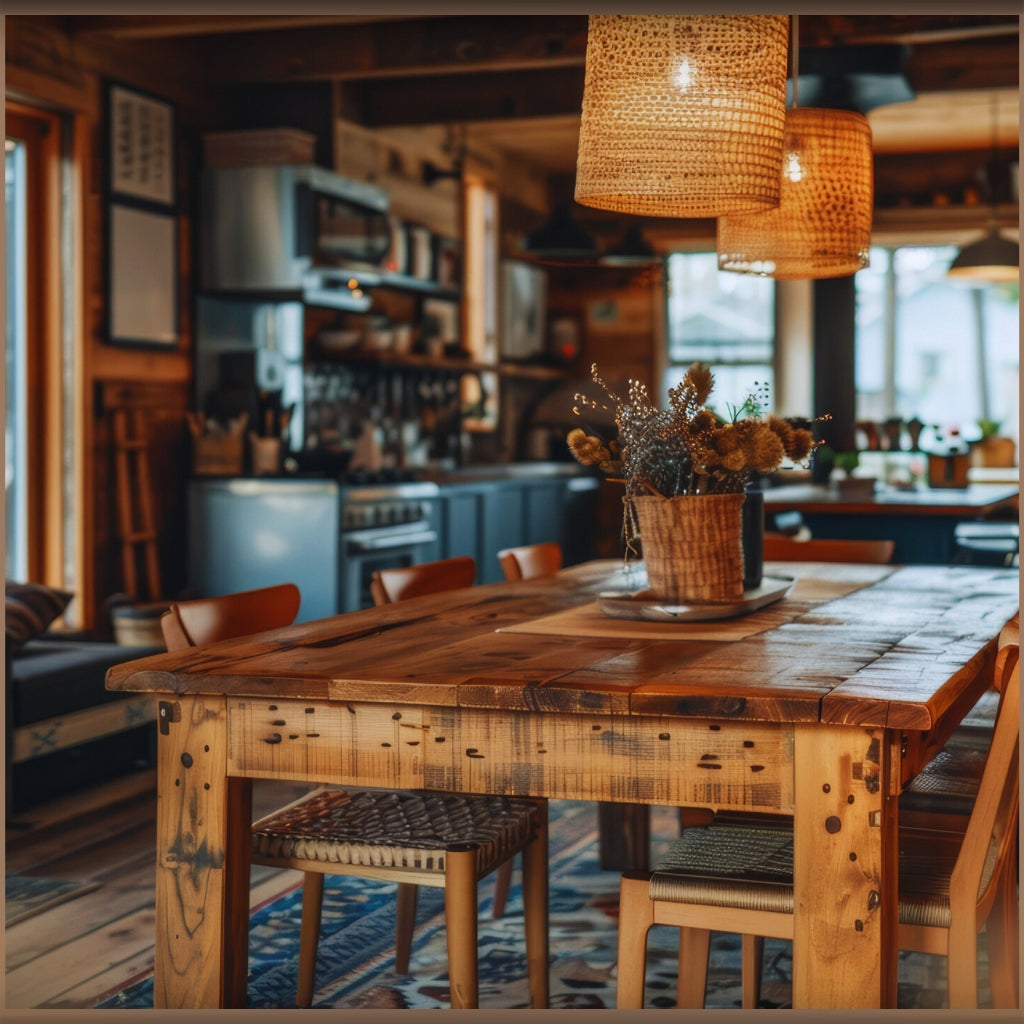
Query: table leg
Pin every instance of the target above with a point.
(201, 911)
(845, 869)
(624, 836)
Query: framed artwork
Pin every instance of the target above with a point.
(142, 229)
(140, 155)
(142, 276)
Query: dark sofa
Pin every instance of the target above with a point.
(64, 729)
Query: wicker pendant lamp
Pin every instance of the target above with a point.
(682, 115)
(822, 225)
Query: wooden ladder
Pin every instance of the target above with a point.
(135, 503)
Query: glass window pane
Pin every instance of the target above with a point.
(933, 349)
(724, 319)
(16, 506)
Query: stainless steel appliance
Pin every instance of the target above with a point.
(385, 526)
(292, 231)
(325, 536)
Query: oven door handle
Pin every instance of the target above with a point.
(386, 541)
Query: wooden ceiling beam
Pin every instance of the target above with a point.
(400, 49)
(178, 26)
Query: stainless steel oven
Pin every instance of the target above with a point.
(384, 526)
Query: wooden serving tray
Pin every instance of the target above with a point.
(642, 604)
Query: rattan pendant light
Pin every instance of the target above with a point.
(822, 225)
(682, 115)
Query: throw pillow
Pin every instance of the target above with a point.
(31, 607)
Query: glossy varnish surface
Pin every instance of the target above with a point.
(869, 645)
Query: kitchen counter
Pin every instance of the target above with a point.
(921, 522)
(505, 471)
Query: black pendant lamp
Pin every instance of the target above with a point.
(632, 250)
(560, 239)
(992, 259)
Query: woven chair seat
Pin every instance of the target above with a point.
(948, 783)
(395, 829)
(750, 867)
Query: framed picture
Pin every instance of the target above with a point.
(142, 276)
(140, 157)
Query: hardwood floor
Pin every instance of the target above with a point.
(74, 955)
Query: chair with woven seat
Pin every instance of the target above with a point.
(942, 793)
(400, 584)
(437, 839)
(531, 561)
(780, 547)
(736, 874)
(445, 840)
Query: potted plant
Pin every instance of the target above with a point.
(850, 485)
(685, 471)
(992, 449)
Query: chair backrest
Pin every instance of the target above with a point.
(993, 822)
(780, 548)
(390, 585)
(206, 619)
(531, 560)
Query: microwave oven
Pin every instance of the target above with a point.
(295, 231)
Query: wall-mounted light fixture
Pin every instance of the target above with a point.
(682, 115)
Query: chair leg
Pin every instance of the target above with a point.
(535, 912)
(405, 922)
(460, 903)
(1001, 932)
(962, 969)
(502, 884)
(636, 915)
(309, 936)
(752, 959)
(692, 983)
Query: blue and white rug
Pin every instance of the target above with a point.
(355, 962)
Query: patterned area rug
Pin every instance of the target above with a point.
(26, 895)
(355, 964)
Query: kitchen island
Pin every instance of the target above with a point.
(921, 522)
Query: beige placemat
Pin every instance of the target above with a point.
(589, 620)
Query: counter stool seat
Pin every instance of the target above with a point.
(445, 840)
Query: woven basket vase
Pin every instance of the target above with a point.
(693, 547)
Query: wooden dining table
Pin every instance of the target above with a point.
(820, 705)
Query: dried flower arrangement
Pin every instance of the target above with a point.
(686, 449)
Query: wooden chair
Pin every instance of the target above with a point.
(206, 619)
(439, 839)
(389, 585)
(531, 561)
(948, 887)
(779, 547)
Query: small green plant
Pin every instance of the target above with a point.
(846, 461)
(989, 428)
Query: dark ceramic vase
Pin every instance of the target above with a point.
(752, 535)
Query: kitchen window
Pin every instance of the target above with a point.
(930, 348)
(724, 319)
